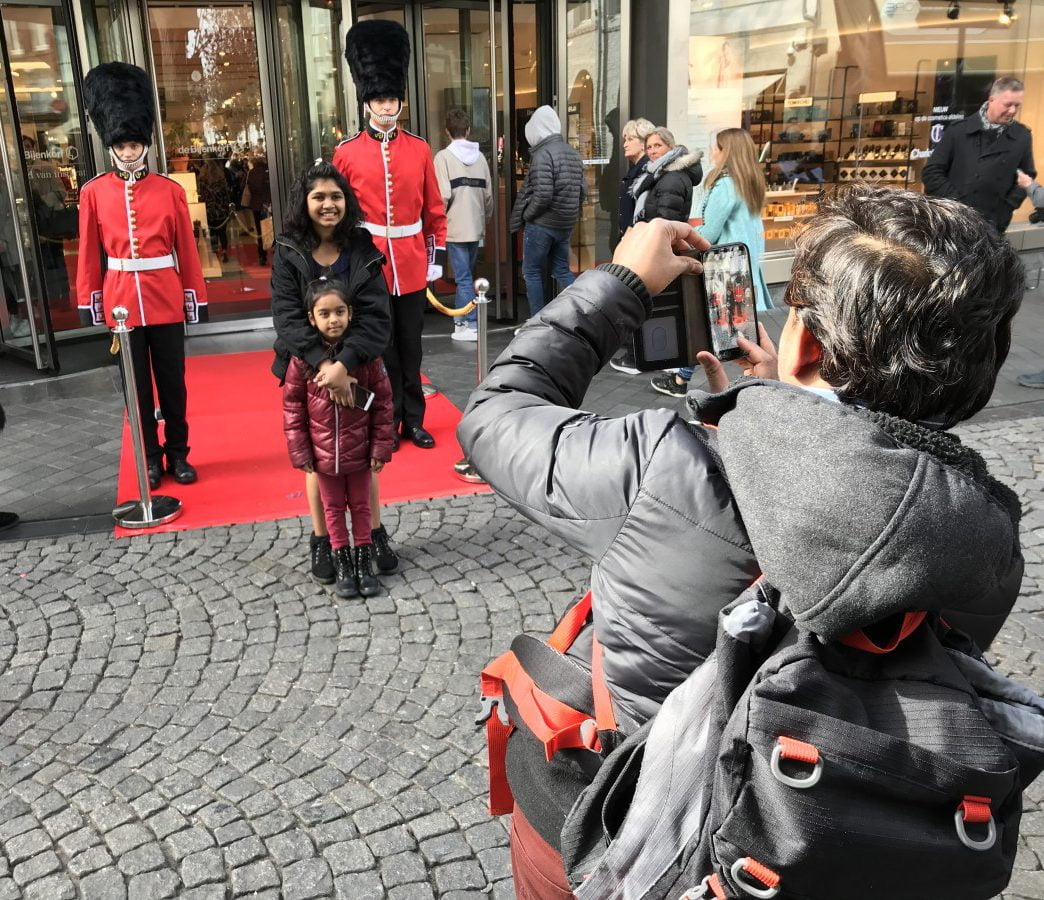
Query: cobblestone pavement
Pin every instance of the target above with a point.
(188, 715)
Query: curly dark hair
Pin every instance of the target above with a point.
(299, 227)
(911, 299)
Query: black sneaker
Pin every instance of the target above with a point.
(322, 560)
(366, 581)
(668, 384)
(345, 573)
(624, 362)
(383, 554)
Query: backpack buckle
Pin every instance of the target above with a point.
(798, 751)
(488, 705)
(745, 868)
(975, 810)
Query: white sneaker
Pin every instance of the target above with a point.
(462, 332)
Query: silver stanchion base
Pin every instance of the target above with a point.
(429, 389)
(132, 513)
(465, 471)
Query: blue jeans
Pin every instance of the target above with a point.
(462, 258)
(540, 246)
(685, 373)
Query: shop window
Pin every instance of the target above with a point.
(840, 91)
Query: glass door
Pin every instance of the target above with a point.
(45, 157)
(589, 103)
(462, 70)
(215, 143)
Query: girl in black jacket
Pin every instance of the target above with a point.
(671, 174)
(323, 239)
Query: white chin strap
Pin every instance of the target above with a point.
(385, 120)
(133, 165)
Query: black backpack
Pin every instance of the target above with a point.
(790, 767)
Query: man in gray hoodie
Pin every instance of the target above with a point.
(464, 183)
(548, 205)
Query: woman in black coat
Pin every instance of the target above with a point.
(324, 239)
(665, 192)
(633, 140)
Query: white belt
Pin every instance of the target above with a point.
(393, 231)
(142, 265)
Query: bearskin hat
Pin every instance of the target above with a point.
(119, 101)
(378, 54)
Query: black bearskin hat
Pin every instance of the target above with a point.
(378, 54)
(119, 101)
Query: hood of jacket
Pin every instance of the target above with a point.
(467, 152)
(685, 161)
(856, 516)
(542, 124)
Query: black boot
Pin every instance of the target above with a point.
(322, 560)
(383, 554)
(181, 469)
(369, 586)
(345, 573)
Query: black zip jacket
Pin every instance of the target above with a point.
(296, 336)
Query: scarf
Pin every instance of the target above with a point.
(653, 171)
(998, 127)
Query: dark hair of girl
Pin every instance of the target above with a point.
(299, 228)
(323, 286)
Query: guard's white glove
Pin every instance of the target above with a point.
(434, 272)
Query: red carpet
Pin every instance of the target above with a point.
(236, 434)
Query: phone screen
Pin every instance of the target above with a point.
(363, 397)
(731, 305)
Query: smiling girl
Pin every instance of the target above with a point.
(323, 239)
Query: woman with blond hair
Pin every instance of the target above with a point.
(733, 195)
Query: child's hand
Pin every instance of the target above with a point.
(376, 465)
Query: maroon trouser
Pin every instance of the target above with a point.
(536, 866)
(346, 493)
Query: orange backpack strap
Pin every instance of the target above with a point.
(555, 724)
(603, 702)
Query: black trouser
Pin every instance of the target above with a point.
(258, 219)
(158, 353)
(403, 357)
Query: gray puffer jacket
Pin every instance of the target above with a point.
(852, 515)
(553, 188)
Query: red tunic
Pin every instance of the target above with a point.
(395, 182)
(144, 216)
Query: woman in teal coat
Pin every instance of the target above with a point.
(733, 196)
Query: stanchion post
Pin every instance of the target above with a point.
(149, 510)
(463, 468)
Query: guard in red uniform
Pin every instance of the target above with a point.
(392, 174)
(138, 250)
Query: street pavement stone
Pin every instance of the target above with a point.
(188, 715)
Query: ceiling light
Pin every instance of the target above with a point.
(953, 11)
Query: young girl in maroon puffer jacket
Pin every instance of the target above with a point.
(341, 444)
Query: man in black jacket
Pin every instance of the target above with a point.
(836, 481)
(977, 159)
(548, 205)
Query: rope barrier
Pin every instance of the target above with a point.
(447, 311)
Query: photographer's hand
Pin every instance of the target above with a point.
(760, 361)
(650, 249)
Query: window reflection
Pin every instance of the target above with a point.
(214, 137)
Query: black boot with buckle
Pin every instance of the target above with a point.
(369, 586)
(344, 573)
(383, 554)
(322, 559)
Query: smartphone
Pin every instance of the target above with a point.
(701, 312)
(732, 310)
(362, 397)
